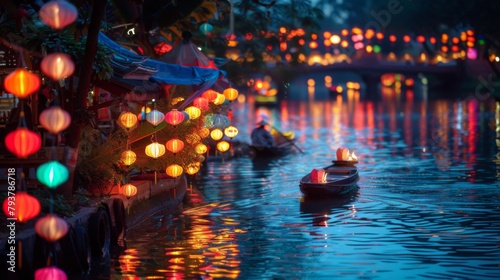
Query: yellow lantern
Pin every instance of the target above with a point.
(193, 112)
(128, 119)
(58, 14)
(175, 145)
(230, 94)
(193, 168)
(216, 134)
(223, 146)
(155, 150)
(174, 170)
(220, 99)
(128, 157)
(201, 148)
(129, 190)
(231, 131)
(57, 66)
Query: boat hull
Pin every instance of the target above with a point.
(340, 181)
(266, 152)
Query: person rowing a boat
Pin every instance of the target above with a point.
(261, 137)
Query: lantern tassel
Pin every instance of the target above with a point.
(155, 177)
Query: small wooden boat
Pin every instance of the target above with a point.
(340, 179)
(286, 148)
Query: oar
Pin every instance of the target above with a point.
(291, 142)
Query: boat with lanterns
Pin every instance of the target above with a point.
(337, 179)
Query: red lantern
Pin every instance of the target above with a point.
(162, 48)
(26, 207)
(210, 95)
(50, 273)
(23, 142)
(58, 14)
(57, 66)
(174, 170)
(55, 119)
(51, 227)
(22, 83)
(175, 145)
(174, 117)
(129, 190)
(201, 103)
(230, 94)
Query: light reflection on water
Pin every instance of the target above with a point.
(427, 205)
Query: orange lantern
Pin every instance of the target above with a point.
(204, 132)
(21, 83)
(342, 153)
(57, 66)
(128, 157)
(55, 119)
(230, 94)
(51, 227)
(50, 273)
(58, 14)
(220, 99)
(174, 145)
(23, 142)
(174, 117)
(174, 170)
(155, 117)
(129, 190)
(216, 134)
(193, 138)
(128, 119)
(210, 95)
(201, 103)
(193, 112)
(193, 168)
(223, 146)
(231, 131)
(201, 148)
(26, 207)
(155, 150)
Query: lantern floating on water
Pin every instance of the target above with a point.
(26, 207)
(174, 170)
(128, 157)
(50, 273)
(23, 142)
(22, 83)
(128, 120)
(129, 190)
(231, 131)
(52, 174)
(155, 117)
(216, 134)
(193, 112)
(174, 145)
(230, 94)
(55, 119)
(174, 117)
(58, 14)
(223, 146)
(51, 227)
(57, 66)
(155, 150)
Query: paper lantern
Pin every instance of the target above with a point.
(220, 99)
(342, 153)
(223, 146)
(51, 227)
(193, 112)
(58, 14)
(220, 121)
(193, 168)
(55, 119)
(193, 138)
(129, 190)
(57, 66)
(162, 48)
(155, 117)
(174, 117)
(200, 158)
(155, 150)
(216, 134)
(201, 148)
(128, 120)
(204, 132)
(128, 157)
(52, 174)
(210, 95)
(231, 131)
(24, 208)
(201, 103)
(318, 176)
(22, 83)
(174, 170)
(175, 145)
(50, 273)
(23, 142)
(206, 28)
(230, 94)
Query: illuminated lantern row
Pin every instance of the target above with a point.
(57, 66)
(52, 174)
(155, 150)
(174, 145)
(174, 117)
(26, 207)
(129, 190)
(55, 119)
(58, 14)
(50, 272)
(223, 146)
(51, 227)
(174, 170)
(128, 120)
(230, 94)
(128, 157)
(201, 148)
(23, 142)
(193, 112)
(155, 117)
(22, 83)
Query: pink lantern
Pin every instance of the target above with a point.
(174, 117)
(210, 95)
(201, 103)
(51, 227)
(55, 119)
(57, 66)
(58, 14)
(50, 273)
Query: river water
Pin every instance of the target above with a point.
(427, 204)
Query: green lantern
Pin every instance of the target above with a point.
(52, 174)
